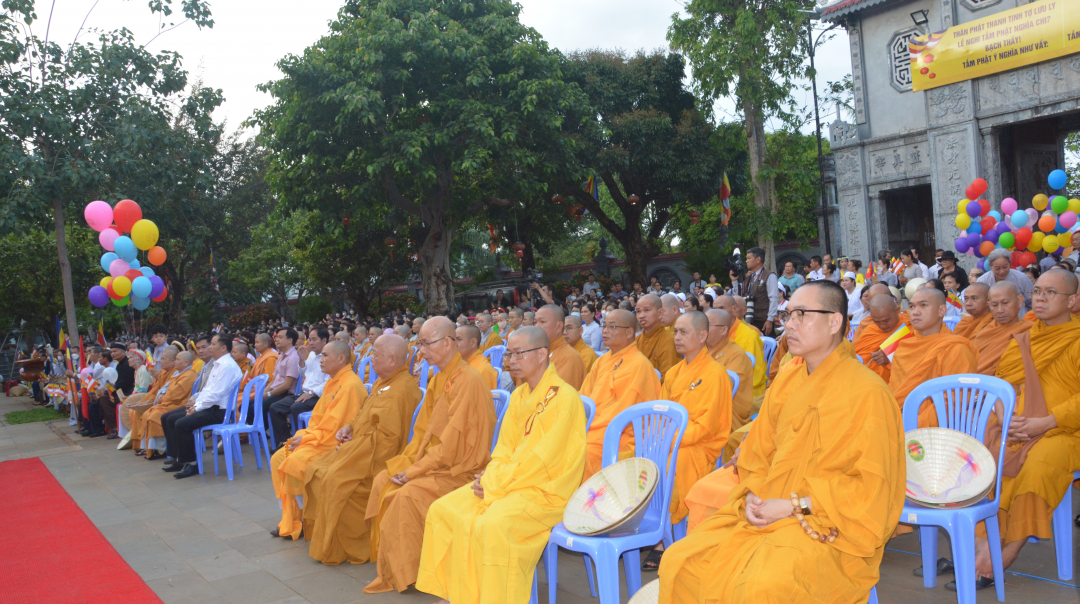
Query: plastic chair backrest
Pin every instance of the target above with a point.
(195, 386)
(255, 387)
(851, 329)
(659, 376)
(734, 382)
(356, 366)
(230, 410)
(590, 411)
(415, 413)
(753, 359)
(425, 368)
(951, 322)
(501, 399)
(964, 403)
(769, 345)
(299, 386)
(658, 429)
(495, 355)
(368, 386)
(365, 363)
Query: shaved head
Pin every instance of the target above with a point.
(471, 332)
(884, 312)
(691, 333)
(555, 310)
(932, 293)
(619, 328)
(1005, 302)
(926, 311)
(670, 311)
(727, 304)
(573, 320)
(719, 317)
(185, 358)
(169, 354)
(438, 327)
(336, 348)
(343, 336)
(977, 299)
(652, 299)
(1055, 309)
(529, 337)
(669, 301)
(440, 341)
(878, 289)
(648, 312)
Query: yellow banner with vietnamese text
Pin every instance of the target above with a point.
(1028, 34)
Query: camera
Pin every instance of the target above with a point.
(735, 265)
(532, 275)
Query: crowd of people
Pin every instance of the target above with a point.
(400, 463)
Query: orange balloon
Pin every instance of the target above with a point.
(986, 247)
(1047, 224)
(156, 255)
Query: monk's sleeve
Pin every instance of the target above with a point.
(465, 443)
(499, 474)
(756, 453)
(1067, 413)
(322, 432)
(180, 391)
(866, 499)
(706, 423)
(268, 368)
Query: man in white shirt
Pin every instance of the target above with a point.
(314, 379)
(204, 409)
(816, 274)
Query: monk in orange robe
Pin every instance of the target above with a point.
(1043, 364)
(934, 351)
(361, 345)
(173, 395)
(669, 311)
(976, 311)
(992, 340)
(264, 365)
(136, 404)
(572, 334)
(749, 339)
(468, 345)
(451, 444)
(489, 336)
(338, 484)
(621, 378)
(829, 437)
(567, 361)
(883, 321)
(732, 357)
(655, 342)
(342, 397)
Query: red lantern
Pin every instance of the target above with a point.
(556, 199)
(390, 243)
(633, 199)
(518, 247)
(346, 220)
(694, 215)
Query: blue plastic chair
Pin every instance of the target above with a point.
(365, 363)
(368, 386)
(1063, 532)
(230, 417)
(230, 433)
(299, 389)
(951, 322)
(851, 329)
(873, 596)
(859, 356)
(425, 368)
(303, 419)
(770, 349)
(356, 366)
(659, 376)
(501, 398)
(494, 355)
(734, 382)
(753, 359)
(590, 411)
(964, 403)
(658, 431)
(416, 412)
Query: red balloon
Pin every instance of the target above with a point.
(978, 186)
(987, 224)
(1016, 259)
(970, 193)
(985, 205)
(164, 294)
(1029, 258)
(112, 294)
(126, 214)
(1023, 238)
(133, 273)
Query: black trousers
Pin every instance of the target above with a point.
(284, 408)
(180, 428)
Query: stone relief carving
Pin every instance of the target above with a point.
(949, 99)
(842, 134)
(946, 14)
(903, 161)
(857, 79)
(847, 169)
(953, 172)
(854, 229)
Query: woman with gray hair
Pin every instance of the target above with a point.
(999, 268)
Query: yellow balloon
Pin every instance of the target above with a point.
(144, 234)
(961, 208)
(1033, 246)
(1049, 243)
(1040, 201)
(1074, 206)
(963, 221)
(122, 285)
(105, 281)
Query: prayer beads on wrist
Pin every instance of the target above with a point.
(796, 505)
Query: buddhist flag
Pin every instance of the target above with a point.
(954, 300)
(149, 359)
(590, 187)
(897, 266)
(101, 334)
(725, 199)
(890, 345)
(63, 341)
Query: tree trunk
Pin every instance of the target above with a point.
(434, 256)
(764, 188)
(65, 272)
(638, 253)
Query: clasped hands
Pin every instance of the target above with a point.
(477, 489)
(1022, 429)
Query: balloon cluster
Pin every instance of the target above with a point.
(123, 232)
(1022, 232)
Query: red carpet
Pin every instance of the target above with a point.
(51, 552)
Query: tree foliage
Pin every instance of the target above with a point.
(271, 270)
(30, 279)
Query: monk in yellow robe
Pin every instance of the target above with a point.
(830, 438)
(468, 345)
(342, 396)
(621, 378)
(482, 541)
(976, 311)
(1044, 435)
(992, 340)
(732, 357)
(239, 354)
(748, 338)
(361, 346)
(451, 444)
(669, 311)
(136, 404)
(572, 334)
(489, 336)
(883, 321)
(934, 351)
(338, 484)
(172, 396)
(567, 361)
(655, 342)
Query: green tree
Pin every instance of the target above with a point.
(648, 143)
(66, 109)
(31, 281)
(271, 270)
(423, 106)
(753, 51)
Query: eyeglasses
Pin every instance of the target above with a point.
(610, 327)
(517, 356)
(796, 316)
(1046, 293)
(432, 343)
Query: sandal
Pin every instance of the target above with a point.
(154, 455)
(140, 452)
(652, 561)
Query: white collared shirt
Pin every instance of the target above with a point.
(314, 378)
(216, 392)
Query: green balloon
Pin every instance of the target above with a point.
(121, 302)
(1007, 240)
(1059, 204)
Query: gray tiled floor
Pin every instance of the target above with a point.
(206, 539)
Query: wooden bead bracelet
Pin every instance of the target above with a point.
(796, 503)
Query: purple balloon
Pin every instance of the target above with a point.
(974, 209)
(992, 236)
(1002, 228)
(158, 285)
(962, 244)
(99, 296)
(982, 265)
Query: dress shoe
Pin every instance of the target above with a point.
(173, 467)
(980, 584)
(188, 471)
(944, 567)
(112, 436)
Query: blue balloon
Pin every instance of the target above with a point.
(141, 287)
(1057, 179)
(139, 303)
(995, 214)
(1020, 219)
(134, 264)
(106, 259)
(975, 228)
(158, 286)
(125, 248)
(147, 271)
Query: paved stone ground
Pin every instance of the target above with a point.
(206, 539)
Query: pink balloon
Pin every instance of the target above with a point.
(98, 214)
(1033, 215)
(1067, 219)
(106, 239)
(118, 268)
(1008, 205)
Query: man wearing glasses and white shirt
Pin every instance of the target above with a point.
(205, 409)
